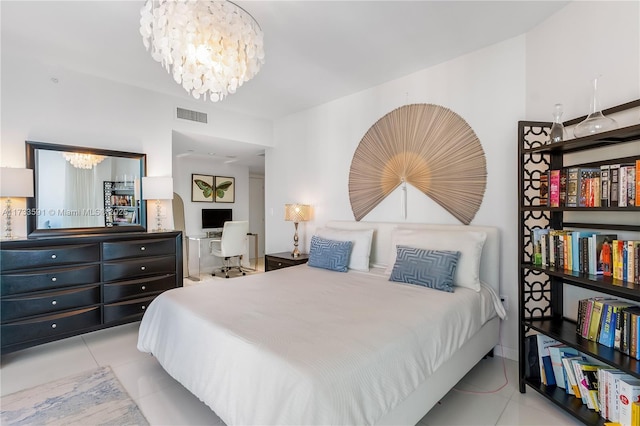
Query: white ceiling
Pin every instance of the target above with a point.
(316, 51)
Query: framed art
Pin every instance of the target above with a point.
(225, 189)
(202, 188)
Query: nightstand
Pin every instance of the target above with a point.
(283, 260)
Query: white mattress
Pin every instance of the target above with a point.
(304, 345)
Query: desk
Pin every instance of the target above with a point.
(196, 240)
(194, 263)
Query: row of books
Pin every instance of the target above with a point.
(610, 185)
(610, 322)
(587, 252)
(612, 393)
(122, 200)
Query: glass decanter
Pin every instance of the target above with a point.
(596, 122)
(557, 128)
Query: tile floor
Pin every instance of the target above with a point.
(165, 402)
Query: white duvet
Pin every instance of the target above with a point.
(304, 345)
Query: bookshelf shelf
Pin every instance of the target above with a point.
(569, 403)
(541, 289)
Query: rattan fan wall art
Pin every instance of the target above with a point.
(427, 146)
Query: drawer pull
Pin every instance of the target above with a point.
(54, 303)
(54, 325)
(142, 268)
(144, 287)
(54, 279)
(142, 248)
(279, 263)
(143, 307)
(53, 256)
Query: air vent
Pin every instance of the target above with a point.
(187, 114)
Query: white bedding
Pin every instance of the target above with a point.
(304, 345)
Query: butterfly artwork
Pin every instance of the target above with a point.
(208, 189)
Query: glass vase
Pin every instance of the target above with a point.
(557, 128)
(596, 122)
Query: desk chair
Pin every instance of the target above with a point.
(232, 244)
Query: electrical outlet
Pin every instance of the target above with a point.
(505, 302)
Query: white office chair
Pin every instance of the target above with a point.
(232, 244)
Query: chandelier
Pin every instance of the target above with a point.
(82, 161)
(209, 46)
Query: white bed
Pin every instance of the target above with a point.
(305, 345)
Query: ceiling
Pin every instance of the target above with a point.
(316, 51)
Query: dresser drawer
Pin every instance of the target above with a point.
(137, 288)
(113, 271)
(129, 310)
(127, 249)
(25, 282)
(50, 325)
(45, 303)
(13, 259)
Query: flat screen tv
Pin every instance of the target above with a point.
(215, 218)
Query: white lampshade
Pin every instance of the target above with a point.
(157, 188)
(15, 182)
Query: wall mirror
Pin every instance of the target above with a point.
(84, 190)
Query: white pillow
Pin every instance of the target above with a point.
(468, 243)
(361, 249)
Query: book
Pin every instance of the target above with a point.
(567, 363)
(613, 396)
(631, 263)
(637, 183)
(544, 189)
(604, 185)
(629, 393)
(607, 328)
(554, 188)
(586, 187)
(631, 185)
(532, 361)
(563, 187)
(590, 383)
(536, 235)
(544, 359)
(596, 315)
(617, 256)
(614, 174)
(616, 322)
(604, 262)
(583, 391)
(572, 187)
(556, 353)
(622, 186)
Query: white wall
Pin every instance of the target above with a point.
(88, 111)
(313, 149)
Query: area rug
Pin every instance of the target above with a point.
(95, 397)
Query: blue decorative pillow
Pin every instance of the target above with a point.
(429, 268)
(329, 254)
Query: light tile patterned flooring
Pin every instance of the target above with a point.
(164, 401)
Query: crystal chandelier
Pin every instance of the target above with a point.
(209, 46)
(82, 161)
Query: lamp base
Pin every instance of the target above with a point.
(295, 252)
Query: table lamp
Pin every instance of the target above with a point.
(14, 183)
(296, 213)
(157, 188)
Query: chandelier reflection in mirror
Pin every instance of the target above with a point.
(210, 47)
(82, 161)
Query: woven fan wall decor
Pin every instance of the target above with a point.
(427, 146)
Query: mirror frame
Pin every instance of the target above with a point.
(32, 203)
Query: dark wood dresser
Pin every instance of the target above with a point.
(53, 288)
